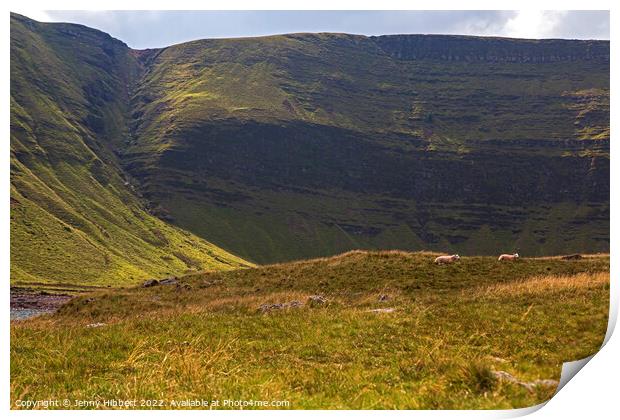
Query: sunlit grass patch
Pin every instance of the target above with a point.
(538, 285)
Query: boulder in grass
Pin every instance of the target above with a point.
(170, 280)
(530, 386)
(572, 257)
(382, 310)
(316, 300)
(268, 307)
(150, 283)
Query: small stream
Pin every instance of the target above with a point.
(18, 314)
(27, 303)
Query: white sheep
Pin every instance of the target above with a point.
(508, 257)
(447, 259)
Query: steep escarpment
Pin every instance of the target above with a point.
(76, 216)
(303, 145)
(490, 49)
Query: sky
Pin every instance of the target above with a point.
(153, 29)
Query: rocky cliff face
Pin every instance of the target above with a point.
(491, 50)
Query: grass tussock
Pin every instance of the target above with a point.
(480, 377)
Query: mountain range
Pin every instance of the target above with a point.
(220, 153)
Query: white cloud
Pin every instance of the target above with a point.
(151, 29)
(39, 15)
(534, 24)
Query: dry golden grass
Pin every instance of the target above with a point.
(207, 337)
(544, 284)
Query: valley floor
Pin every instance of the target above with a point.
(360, 330)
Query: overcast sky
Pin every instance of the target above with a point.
(151, 29)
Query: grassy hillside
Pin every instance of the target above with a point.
(297, 146)
(76, 216)
(304, 145)
(395, 331)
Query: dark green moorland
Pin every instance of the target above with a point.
(394, 331)
(305, 145)
(124, 163)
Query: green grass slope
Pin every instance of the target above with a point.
(435, 340)
(304, 145)
(75, 215)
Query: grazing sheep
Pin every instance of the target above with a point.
(447, 259)
(508, 257)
